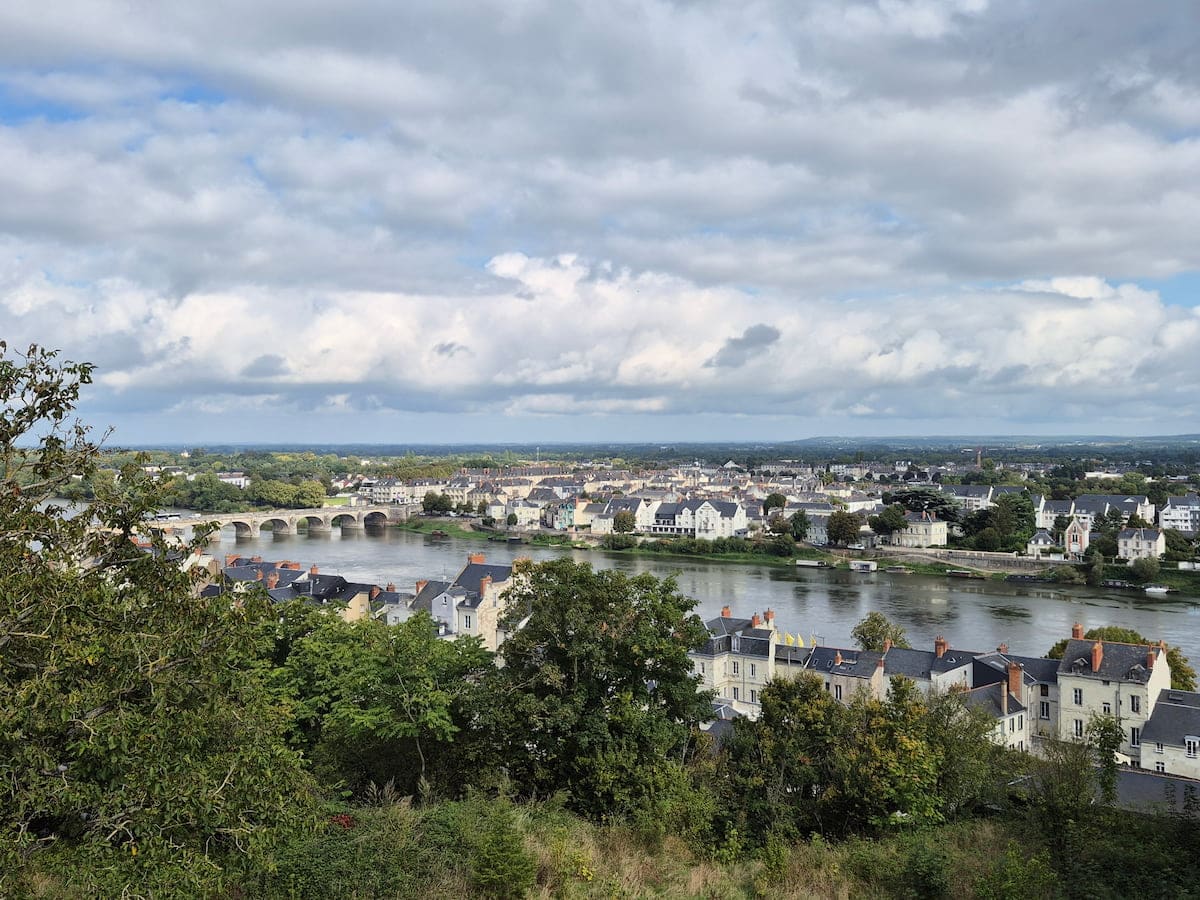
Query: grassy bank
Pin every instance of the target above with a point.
(449, 527)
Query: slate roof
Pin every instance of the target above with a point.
(1042, 536)
(855, 663)
(1119, 662)
(990, 698)
(1176, 715)
(474, 573)
(1139, 534)
(991, 667)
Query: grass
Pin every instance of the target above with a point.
(450, 527)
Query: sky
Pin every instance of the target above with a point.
(522, 221)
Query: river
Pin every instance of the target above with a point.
(973, 615)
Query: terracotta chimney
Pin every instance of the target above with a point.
(230, 558)
(755, 621)
(421, 585)
(879, 663)
(476, 559)
(837, 659)
(769, 615)
(272, 581)
(258, 575)
(1015, 673)
(1097, 656)
(887, 645)
(940, 646)
(375, 592)
(1077, 631)
(484, 583)
(1151, 656)
(726, 612)
(313, 570)
(1003, 648)
(391, 587)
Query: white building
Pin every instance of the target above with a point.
(708, 519)
(1171, 739)
(1141, 543)
(921, 529)
(1182, 514)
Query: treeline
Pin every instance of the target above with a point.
(777, 545)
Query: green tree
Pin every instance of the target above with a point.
(596, 696)
(779, 525)
(310, 495)
(511, 519)
(1144, 569)
(875, 629)
(136, 736)
(927, 500)
(889, 521)
(800, 525)
(1183, 676)
(773, 501)
(843, 527)
(624, 522)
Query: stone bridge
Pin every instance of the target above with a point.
(290, 521)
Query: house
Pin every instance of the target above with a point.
(1041, 542)
(738, 659)
(1141, 543)
(1002, 702)
(1110, 678)
(1171, 738)
(1076, 539)
(971, 497)
(921, 529)
(937, 670)
(1037, 690)
(472, 604)
(643, 514)
(1048, 511)
(1182, 514)
(707, 519)
(845, 673)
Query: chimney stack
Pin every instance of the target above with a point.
(726, 612)
(1015, 679)
(258, 575)
(1097, 656)
(879, 663)
(230, 558)
(1003, 699)
(313, 570)
(375, 592)
(484, 583)
(272, 581)
(940, 646)
(1077, 631)
(755, 621)
(837, 659)
(887, 645)
(769, 615)
(421, 585)
(476, 559)
(1003, 648)
(391, 587)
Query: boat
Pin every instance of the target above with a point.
(897, 570)
(1157, 588)
(962, 573)
(1117, 583)
(812, 564)
(863, 565)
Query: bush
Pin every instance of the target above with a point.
(1144, 569)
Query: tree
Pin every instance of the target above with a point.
(779, 525)
(135, 733)
(773, 501)
(1144, 569)
(943, 505)
(310, 495)
(843, 527)
(889, 521)
(800, 525)
(624, 522)
(597, 694)
(1183, 676)
(511, 519)
(875, 629)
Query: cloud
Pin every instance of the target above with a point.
(738, 350)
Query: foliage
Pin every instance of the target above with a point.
(596, 692)
(773, 501)
(624, 522)
(943, 505)
(889, 521)
(875, 629)
(1183, 676)
(1144, 569)
(434, 502)
(800, 525)
(843, 527)
(135, 730)
(1017, 877)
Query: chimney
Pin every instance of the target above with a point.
(940, 646)
(375, 592)
(258, 575)
(313, 570)
(726, 612)
(272, 581)
(769, 615)
(391, 587)
(879, 664)
(837, 659)
(887, 645)
(1097, 656)
(1003, 648)
(1015, 673)
(1077, 631)
(421, 585)
(484, 583)
(755, 621)
(476, 559)
(256, 559)
(1003, 699)
(230, 558)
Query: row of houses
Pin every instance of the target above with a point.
(1030, 698)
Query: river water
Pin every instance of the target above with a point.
(973, 615)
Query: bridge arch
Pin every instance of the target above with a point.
(374, 518)
(345, 520)
(245, 527)
(278, 525)
(313, 523)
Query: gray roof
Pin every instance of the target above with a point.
(1139, 534)
(855, 663)
(1119, 662)
(1176, 715)
(1037, 669)
(990, 698)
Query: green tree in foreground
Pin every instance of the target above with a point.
(137, 742)
(1183, 676)
(597, 695)
(875, 629)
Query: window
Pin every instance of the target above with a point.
(701, 668)
(466, 621)
(1158, 748)
(1079, 728)
(1079, 696)
(837, 692)
(1044, 689)
(1135, 737)
(1021, 722)
(754, 696)
(1160, 766)
(1135, 703)
(1044, 709)
(1012, 726)
(753, 670)
(1107, 708)
(735, 693)
(1191, 744)
(735, 667)
(827, 687)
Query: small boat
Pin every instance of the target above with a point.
(1157, 588)
(962, 573)
(897, 570)
(1117, 583)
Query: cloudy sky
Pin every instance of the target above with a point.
(539, 220)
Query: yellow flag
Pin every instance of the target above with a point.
(788, 639)
(799, 640)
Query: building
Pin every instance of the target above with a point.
(1041, 542)
(1141, 543)
(1171, 739)
(921, 529)
(1182, 514)
(707, 519)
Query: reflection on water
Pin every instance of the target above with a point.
(971, 614)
